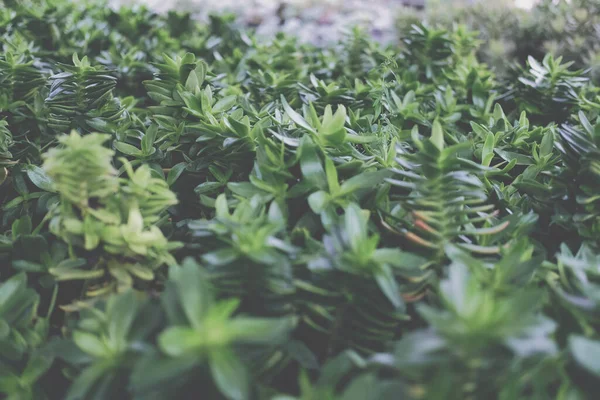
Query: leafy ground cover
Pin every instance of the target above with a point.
(187, 212)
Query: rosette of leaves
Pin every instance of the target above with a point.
(474, 87)
(97, 209)
(272, 177)
(201, 346)
(81, 98)
(329, 195)
(465, 88)
(353, 94)
(82, 168)
(327, 131)
(473, 331)
(194, 121)
(247, 255)
(403, 108)
(351, 295)
(547, 90)
(270, 71)
(523, 152)
(151, 194)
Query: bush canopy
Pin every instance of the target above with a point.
(187, 212)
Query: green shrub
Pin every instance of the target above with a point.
(187, 212)
(567, 29)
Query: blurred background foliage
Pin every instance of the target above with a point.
(510, 30)
(510, 34)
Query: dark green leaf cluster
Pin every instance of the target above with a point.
(188, 212)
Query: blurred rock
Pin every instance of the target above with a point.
(316, 21)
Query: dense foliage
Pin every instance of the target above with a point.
(186, 212)
(567, 28)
